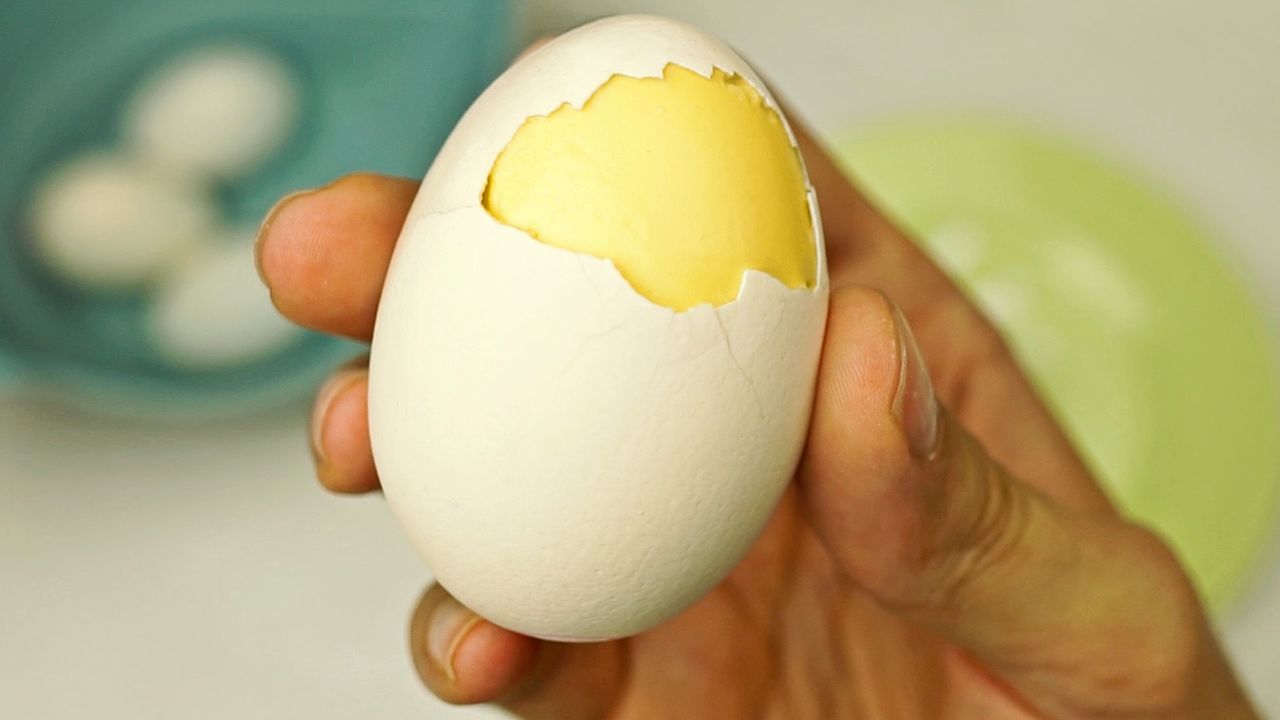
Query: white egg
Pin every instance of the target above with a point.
(573, 460)
(216, 111)
(105, 221)
(212, 310)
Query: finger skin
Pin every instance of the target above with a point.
(535, 679)
(487, 661)
(340, 433)
(324, 254)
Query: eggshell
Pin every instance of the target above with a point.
(573, 461)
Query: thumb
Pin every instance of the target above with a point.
(1076, 611)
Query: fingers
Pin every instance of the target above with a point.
(340, 432)
(324, 253)
(461, 657)
(465, 659)
(1071, 608)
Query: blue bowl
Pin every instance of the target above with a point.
(383, 82)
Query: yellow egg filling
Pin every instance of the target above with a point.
(682, 181)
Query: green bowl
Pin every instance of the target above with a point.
(1154, 353)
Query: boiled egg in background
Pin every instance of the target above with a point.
(147, 216)
(594, 358)
(210, 310)
(216, 111)
(105, 221)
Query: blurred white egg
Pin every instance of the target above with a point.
(219, 111)
(579, 446)
(211, 310)
(106, 221)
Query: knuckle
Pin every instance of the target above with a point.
(1154, 656)
(1176, 624)
(982, 536)
(977, 521)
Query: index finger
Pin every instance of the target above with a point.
(324, 253)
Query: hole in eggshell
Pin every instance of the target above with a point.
(684, 182)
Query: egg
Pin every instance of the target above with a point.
(215, 111)
(105, 221)
(594, 357)
(210, 310)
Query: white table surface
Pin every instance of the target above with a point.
(197, 572)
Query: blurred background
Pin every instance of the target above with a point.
(1099, 176)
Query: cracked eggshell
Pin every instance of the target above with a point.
(573, 461)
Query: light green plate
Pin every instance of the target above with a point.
(1153, 353)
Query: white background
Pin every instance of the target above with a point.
(196, 571)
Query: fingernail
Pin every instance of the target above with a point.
(274, 212)
(914, 404)
(450, 623)
(324, 399)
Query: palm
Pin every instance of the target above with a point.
(787, 632)
(785, 636)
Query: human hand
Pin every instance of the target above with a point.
(948, 558)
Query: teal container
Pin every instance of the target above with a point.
(383, 82)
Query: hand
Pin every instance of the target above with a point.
(948, 558)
